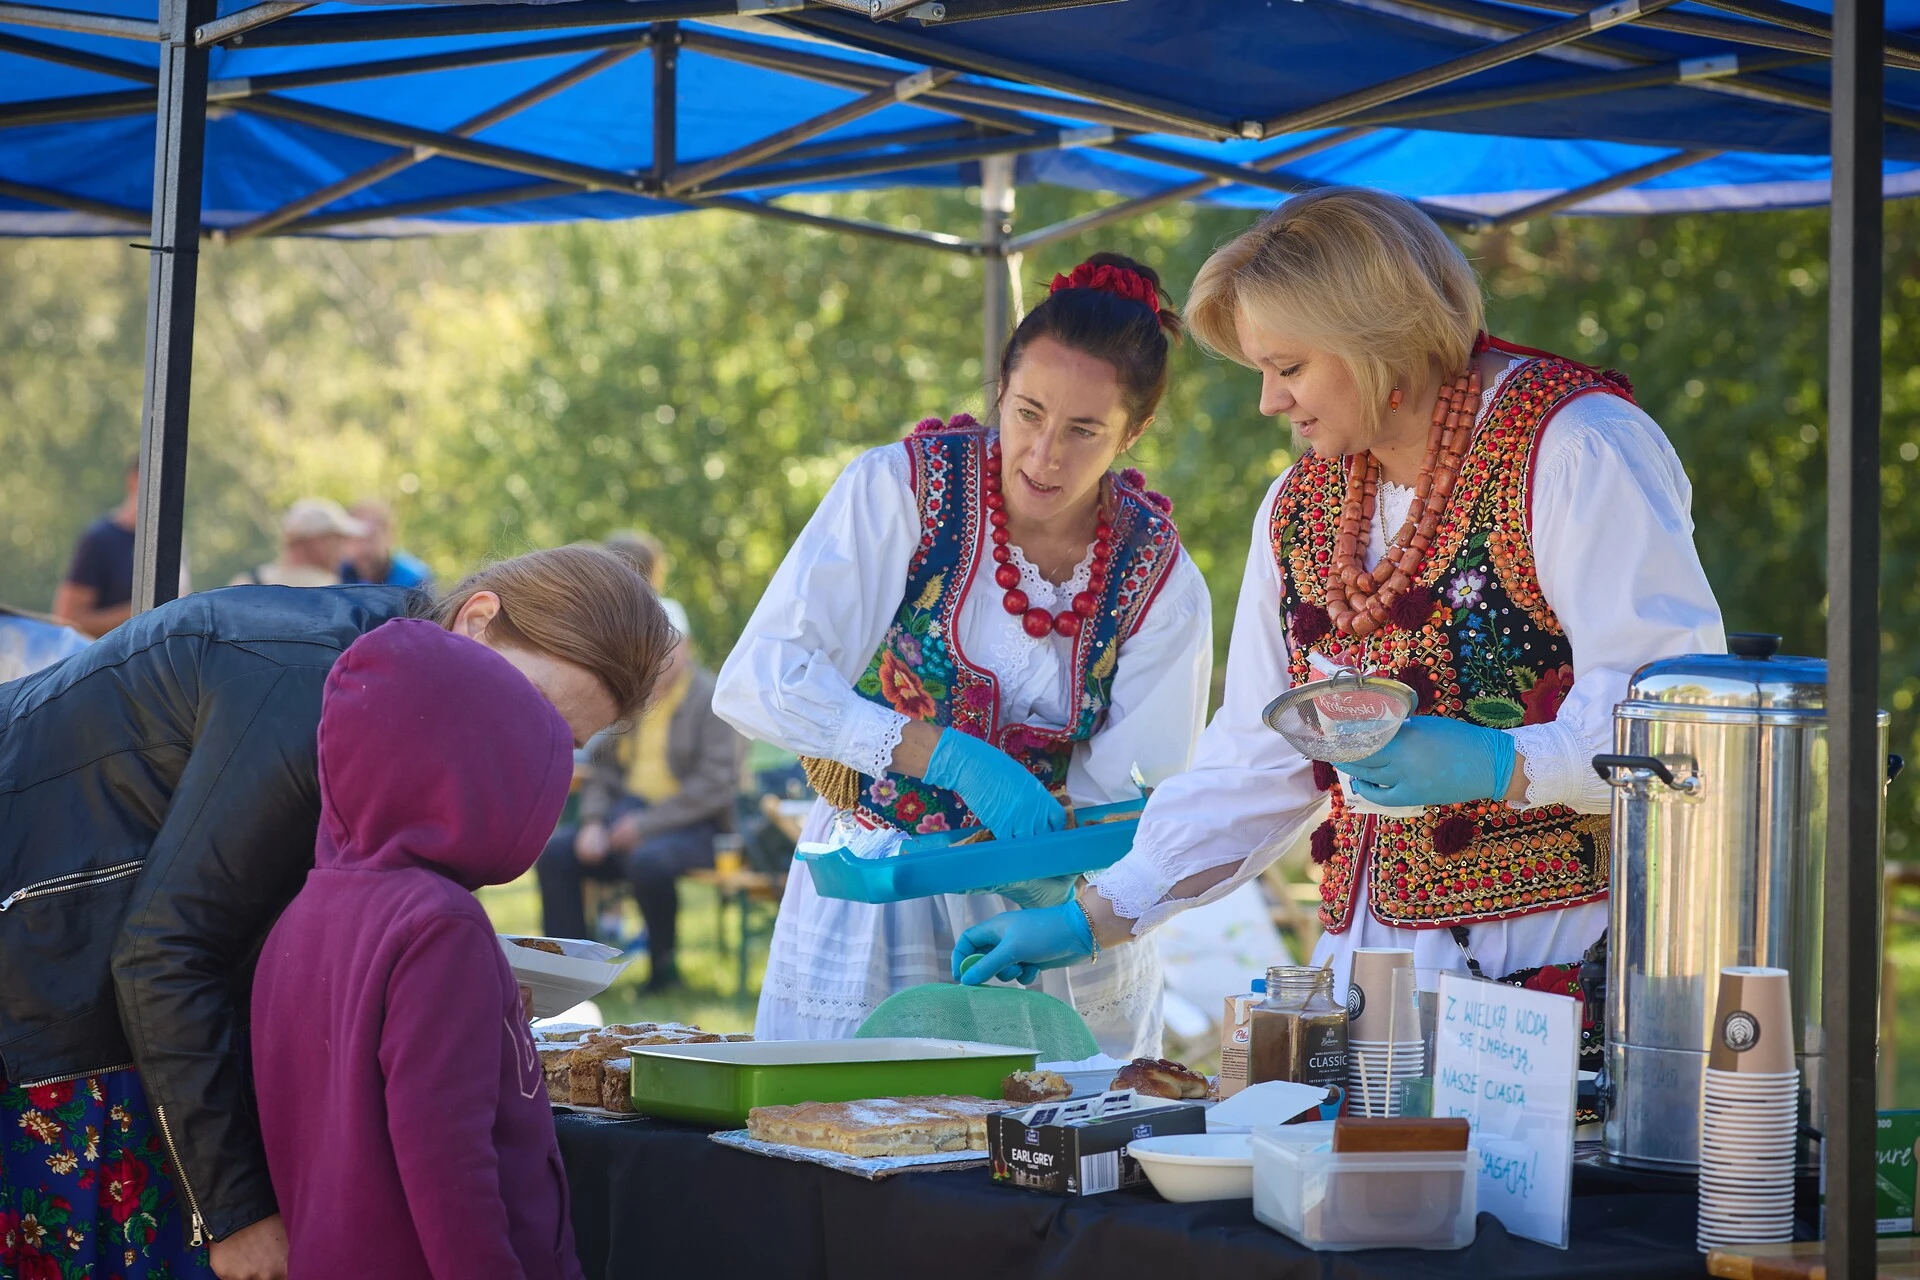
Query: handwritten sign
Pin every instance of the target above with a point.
(1507, 1059)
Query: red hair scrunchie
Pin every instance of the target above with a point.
(1119, 281)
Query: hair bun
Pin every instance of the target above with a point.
(1121, 278)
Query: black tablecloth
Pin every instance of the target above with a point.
(661, 1200)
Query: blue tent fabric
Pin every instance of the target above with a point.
(1215, 60)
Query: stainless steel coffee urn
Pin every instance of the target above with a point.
(1719, 854)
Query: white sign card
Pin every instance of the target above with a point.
(1507, 1059)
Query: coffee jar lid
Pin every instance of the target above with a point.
(1752, 674)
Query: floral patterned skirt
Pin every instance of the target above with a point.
(86, 1186)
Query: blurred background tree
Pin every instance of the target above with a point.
(706, 376)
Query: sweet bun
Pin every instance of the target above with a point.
(1159, 1078)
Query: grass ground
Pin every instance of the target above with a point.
(712, 1001)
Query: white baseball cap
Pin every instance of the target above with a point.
(318, 517)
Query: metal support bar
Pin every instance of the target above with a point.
(1495, 55)
(78, 204)
(67, 56)
(248, 20)
(433, 204)
(1797, 35)
(87, 106)
(400, 135)
(180, 141)
(852, 226)
(1258, 173)
(1579, 195)
(904, 89)
(385, 169)
(1793, 17)
(962, 98)
(862, 166)
(666, 103)
(1555, 88)
(1856, 773)
(429, 21)
(273, 82)
(866, 143)
(900, 42)
(996, 295)
(93, 24)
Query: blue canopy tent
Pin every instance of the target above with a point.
(228, 119)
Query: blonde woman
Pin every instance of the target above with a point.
(1502, 529)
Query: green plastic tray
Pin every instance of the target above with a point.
(719, 1083)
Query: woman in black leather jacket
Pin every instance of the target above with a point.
(158, 805)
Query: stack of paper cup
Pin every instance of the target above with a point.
(1384, 1045)
(1748, 1130)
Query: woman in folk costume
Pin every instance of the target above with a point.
(974, 622)
(1499, 528)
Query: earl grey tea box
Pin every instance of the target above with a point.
(1079, 1147)
(1896, 1136)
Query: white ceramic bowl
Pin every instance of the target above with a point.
(1197, 1166)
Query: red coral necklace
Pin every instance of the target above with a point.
(1357, 599)
(1037, 622)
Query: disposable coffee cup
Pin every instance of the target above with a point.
(1753, 1022)
(1371, 1009)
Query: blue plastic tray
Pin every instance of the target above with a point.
(930, 865)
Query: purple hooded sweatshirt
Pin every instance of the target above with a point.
(405, 1117)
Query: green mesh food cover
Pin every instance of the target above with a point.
(992, 1015)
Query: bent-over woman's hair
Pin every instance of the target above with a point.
(580, 604)
(1359, 273)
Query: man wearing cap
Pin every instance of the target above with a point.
(649, 810)
(315, 536)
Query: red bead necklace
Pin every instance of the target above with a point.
(1037, 622)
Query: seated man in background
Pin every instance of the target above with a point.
(373, 558)
(314, 537)
(656, 797)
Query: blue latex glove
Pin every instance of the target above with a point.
(1019, 944)
(1009, 801)
(1436, 760)
(1036, 893)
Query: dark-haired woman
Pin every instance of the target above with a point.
(159, 798)
(976, 621)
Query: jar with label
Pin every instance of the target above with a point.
(1298, 1032)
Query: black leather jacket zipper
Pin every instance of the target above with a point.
(73, 880)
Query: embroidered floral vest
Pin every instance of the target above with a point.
(1480, 644)
(919, 669)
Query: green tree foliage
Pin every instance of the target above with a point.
(706, 377)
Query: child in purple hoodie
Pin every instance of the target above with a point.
(405, 1117)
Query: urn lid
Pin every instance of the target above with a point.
(1752, 675)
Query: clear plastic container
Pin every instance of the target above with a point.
(1369, 1200)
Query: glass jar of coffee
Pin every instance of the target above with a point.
(1298, 1033)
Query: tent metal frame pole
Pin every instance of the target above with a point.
(431, 21)
(1254, 173)
(434, 204)
(849, 226)
(93, 24)
(996, 282)
(77, 204)
(1901, 51)
(1185, 191)
(67, 56)
(1790, 17)
(666, 103)
(1163, 116)
(92, 106)
(958, 97)
(249, 20)
(1579, 195)
(394, 134)
(179, 168)
(927, 135)
(905, 89)
(1856, 771)
(241, 86)
(1335, 110)
(377, 173)
(958, 153)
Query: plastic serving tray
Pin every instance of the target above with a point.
(930, 865)
(720, 1083)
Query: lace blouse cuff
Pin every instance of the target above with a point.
(1134, 889)
(1558, 769)
(868, 734)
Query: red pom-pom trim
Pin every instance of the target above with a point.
(1411, 611)
(1133, 479)
(1308, 623)
(1324, 776)
(1161, 501)
(927, 426)
(1119, 281)
(1321, 847)
(1420, 680)
(1451, 835)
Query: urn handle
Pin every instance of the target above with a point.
(1641, 768)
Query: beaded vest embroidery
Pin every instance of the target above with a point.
(919, 669)
(1489, 651)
